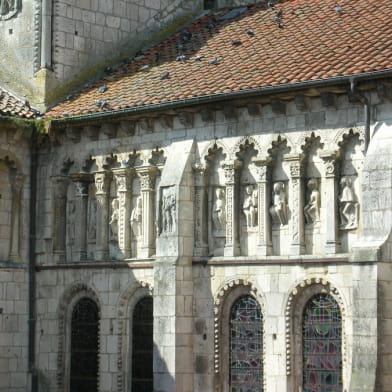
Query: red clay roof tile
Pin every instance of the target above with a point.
(10, 105)
(316, 42)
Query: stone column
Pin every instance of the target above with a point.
(296, 203)
(16, 188)
(147, 177)
(264, 245)
(81, 182)
(60, 185)
(201, 212)
(231, 168)
(102, 184)
(330, 206)
(124, 190)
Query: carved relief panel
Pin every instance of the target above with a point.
(9, 8)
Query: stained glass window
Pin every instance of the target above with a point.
(246, 346)
(142, 346)
(322, 345)
(84, 347)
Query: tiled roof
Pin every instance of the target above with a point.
(12, 106)
(309, 40)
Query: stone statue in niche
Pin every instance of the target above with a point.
(92, 220)
(249, 206)
(348, 205)
(136, 218)
(114, 220)
(312, 209)
(219, 210)
(278, 210)
(169, 206)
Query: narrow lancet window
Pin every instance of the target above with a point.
(322, 345)
(142, 346)
(84, 346)
(246, 346)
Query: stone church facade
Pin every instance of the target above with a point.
(168, 231)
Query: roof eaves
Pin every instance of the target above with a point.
(217, 97)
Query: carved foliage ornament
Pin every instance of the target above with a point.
(9, 8)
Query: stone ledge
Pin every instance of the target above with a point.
(255, 260)
(134, 264)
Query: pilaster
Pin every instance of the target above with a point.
(60, 185)
(201, 232)
(264, 245)
(123, 179)
(332, 244)
(231, 169)
(147, 177)
(81, 181)
(296, 204)
(102, 184)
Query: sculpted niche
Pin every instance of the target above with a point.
(278, 210)
(249, 206)
(312, 208)
(9, 8)
(348, 205)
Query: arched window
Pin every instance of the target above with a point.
(246, 346)
(322, 345)
(84, 346)
(142, 346)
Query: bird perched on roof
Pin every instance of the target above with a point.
(198, 58)
(214, 61)
(165, 76)
(181, 57)
(277, 18)
(235, 42)
(102, 89)
(250, 32)
(145, 68)
(186, 35)
(271, 4)
(338, 9)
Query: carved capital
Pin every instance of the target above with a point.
(330, 164)
(231, 170)
(60, 185)
(296, 165)
(81, 181)
(147, 177)
(102, 183)
(262, 168)
(201, 173)
(123, 179)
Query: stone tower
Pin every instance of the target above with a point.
(49, 48)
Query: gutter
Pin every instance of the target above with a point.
(31, 269)
(213, 98)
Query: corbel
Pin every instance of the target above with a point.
(147, 124)
(109, 129)
(92, 132)
(278, 107)
(384, 92)
(207, 115)
(253, 109)
(230, 112)
(300, 103)
(328, 100)
(186, 119)
(73, 134)
(126, 128)
(166, 121)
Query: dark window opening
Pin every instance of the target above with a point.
(84, 347)
(246, 346)
(142, 346)
(322, 345)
